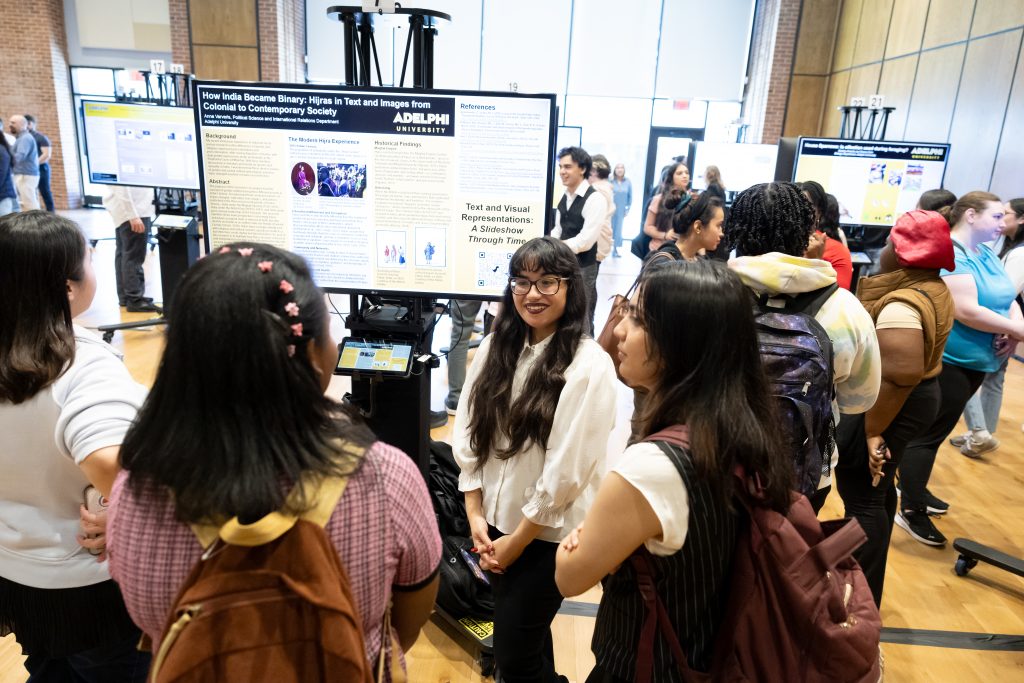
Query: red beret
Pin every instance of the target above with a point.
(921, 240)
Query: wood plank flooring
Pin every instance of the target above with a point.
(922, 591)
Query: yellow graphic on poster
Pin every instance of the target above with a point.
(374, 357)
(885, 179)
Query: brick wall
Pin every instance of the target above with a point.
(35, 80)
(773, 45)
(181, 52)
(282, 40)
(781, 70)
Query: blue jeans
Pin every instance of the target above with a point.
(44, 187)
(120, 662)
(7, 205)
(982, 411)
(463, 313)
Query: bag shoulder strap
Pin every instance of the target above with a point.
(655, 621)
(808, 303)
(324, 491)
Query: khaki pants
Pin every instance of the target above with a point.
(27, 186)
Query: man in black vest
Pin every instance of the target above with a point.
(578, 218)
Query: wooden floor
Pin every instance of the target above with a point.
(922, 592)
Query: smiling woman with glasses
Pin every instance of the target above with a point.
(531, 435)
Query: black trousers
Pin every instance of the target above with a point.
(129, 255)
(44, 186)
(119, 661)
(526, 600)
(956, 386)
(875, 506)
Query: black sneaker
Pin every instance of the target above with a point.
(143, 307)
(920, 527)
(936, 506)
(438, 418)
(450, 406)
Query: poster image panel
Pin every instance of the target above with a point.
(383, 191)
(874, 182)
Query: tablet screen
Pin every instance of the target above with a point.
(374, 355)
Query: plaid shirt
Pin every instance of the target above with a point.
(383, 529)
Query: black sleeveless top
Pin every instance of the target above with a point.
(571, 222)
(691, 583)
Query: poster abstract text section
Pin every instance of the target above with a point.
(381, 191)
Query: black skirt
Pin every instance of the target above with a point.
(64, 621)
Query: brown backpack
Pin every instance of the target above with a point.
(798, 609)
(268, 601)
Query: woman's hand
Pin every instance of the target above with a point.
(478, 530)
(94, 531)
(572, 541)
(507, 550)
(878, 454)
(816, 245)
(1003, 345)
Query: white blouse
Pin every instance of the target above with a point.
(552, 487)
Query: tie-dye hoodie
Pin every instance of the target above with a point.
(857, 365)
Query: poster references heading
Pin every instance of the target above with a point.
(398, 114)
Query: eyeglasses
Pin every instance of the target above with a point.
(547, 285)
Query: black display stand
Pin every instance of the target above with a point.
(360, 49)
(397, 410)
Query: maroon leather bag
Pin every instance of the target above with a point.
(799, 607)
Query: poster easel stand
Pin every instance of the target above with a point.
(392, 402)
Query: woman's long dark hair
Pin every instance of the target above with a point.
(494, 416)
(1012, 243)
(670, 197)
(39, 253)
(710, 376)
(237, 408)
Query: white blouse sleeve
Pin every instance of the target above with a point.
(470, 477)
(578, 443)
(649, 471)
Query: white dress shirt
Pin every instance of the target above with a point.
(552, 487)
(125, 203)
(594, 211)
(605, 235)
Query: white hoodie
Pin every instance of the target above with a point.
(45, 439)
(857, 364)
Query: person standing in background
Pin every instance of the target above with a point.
(599, 180)
(622, 195)
(43, 145)
(8, 195)
(132, 211)
(579, 216)
(26, 163)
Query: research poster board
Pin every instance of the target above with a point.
(141, 144)
(742, 165)
(874, 182)
(382, 191)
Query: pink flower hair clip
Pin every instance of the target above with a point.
(286, 287)
(245, 251)
(265, 266)
(223, 250)
(291, 350)
(297, 329)
(292, 309)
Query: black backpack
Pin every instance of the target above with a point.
(797, 356)
(463, 590)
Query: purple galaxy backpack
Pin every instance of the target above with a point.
(797, 356)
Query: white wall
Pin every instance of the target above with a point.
(117, 33)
